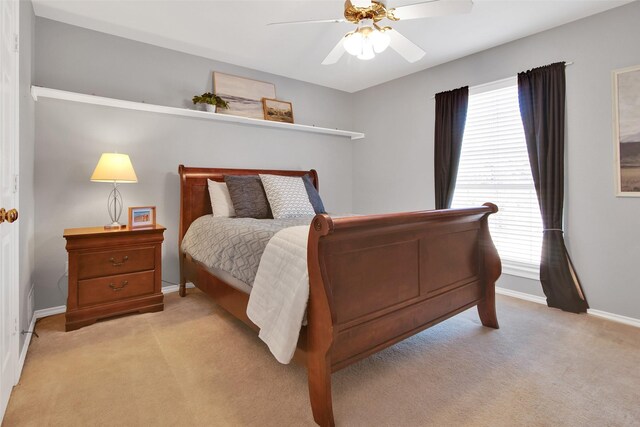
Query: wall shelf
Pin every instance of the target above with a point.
(43, 92)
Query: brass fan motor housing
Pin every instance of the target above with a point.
(376, 12)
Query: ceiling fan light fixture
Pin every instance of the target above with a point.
(371, 36)
(353, 43)
(365, 42)
(367, 51)
(380, 40)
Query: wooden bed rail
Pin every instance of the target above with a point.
(376, 280)
(401, 218)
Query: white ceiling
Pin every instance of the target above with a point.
(236, 32)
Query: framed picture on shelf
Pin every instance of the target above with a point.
(626, 130)
(277, 111)
(244, 96)
(142, 216)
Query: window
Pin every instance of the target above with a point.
(494, 167)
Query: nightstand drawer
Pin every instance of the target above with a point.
(114, 288)
(108, 263)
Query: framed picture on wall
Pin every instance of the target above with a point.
(142, 216)
(626, 130)
(244, 96)
(277, 111)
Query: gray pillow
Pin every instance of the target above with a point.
(248, 196)
(314, 196)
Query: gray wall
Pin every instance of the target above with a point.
(395, 161)
(391, 170)
(27, 204)
(70, 137)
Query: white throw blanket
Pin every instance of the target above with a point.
(278, 300)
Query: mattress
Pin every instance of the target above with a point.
(231, 248)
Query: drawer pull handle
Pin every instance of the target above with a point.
(116, 289)
(118, 264)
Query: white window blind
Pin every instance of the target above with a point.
(494, 167)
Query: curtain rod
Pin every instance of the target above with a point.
(566, 64)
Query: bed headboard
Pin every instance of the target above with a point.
(194, 193)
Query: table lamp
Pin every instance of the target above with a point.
(115, 168)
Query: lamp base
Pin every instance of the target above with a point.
(115, 226)
(114, 205)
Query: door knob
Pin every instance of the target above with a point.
(9, 216)
(12, 215)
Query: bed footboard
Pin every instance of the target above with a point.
(376, 280)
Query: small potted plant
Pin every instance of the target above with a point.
(210, 101)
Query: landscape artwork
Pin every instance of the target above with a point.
(277, 111)
(627, 129)
(243, 95)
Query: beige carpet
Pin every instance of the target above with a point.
(195, 365)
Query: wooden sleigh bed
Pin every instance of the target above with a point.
(374, 280)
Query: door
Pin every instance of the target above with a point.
(8, 198)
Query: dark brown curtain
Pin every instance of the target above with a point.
(541, 94)
(451, 115)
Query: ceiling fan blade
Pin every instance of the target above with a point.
(335, 54)
(312, 21)
(432, 8)
(405, 47)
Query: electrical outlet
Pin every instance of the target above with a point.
(66, 268)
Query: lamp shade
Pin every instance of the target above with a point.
(114, 167)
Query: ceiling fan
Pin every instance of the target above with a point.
(370, 37)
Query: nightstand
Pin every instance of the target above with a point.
(113, 272)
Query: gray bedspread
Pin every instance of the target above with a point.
(234, 245)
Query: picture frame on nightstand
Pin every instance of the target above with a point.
(142, 216)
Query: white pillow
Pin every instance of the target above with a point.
(287, 196)
(221, 204)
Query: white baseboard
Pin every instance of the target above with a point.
(38, 314)
(598, 313)
(51, 311)
(521, 295)
(31, 301)
(174, 288)
(615, 317)
(25, 347)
